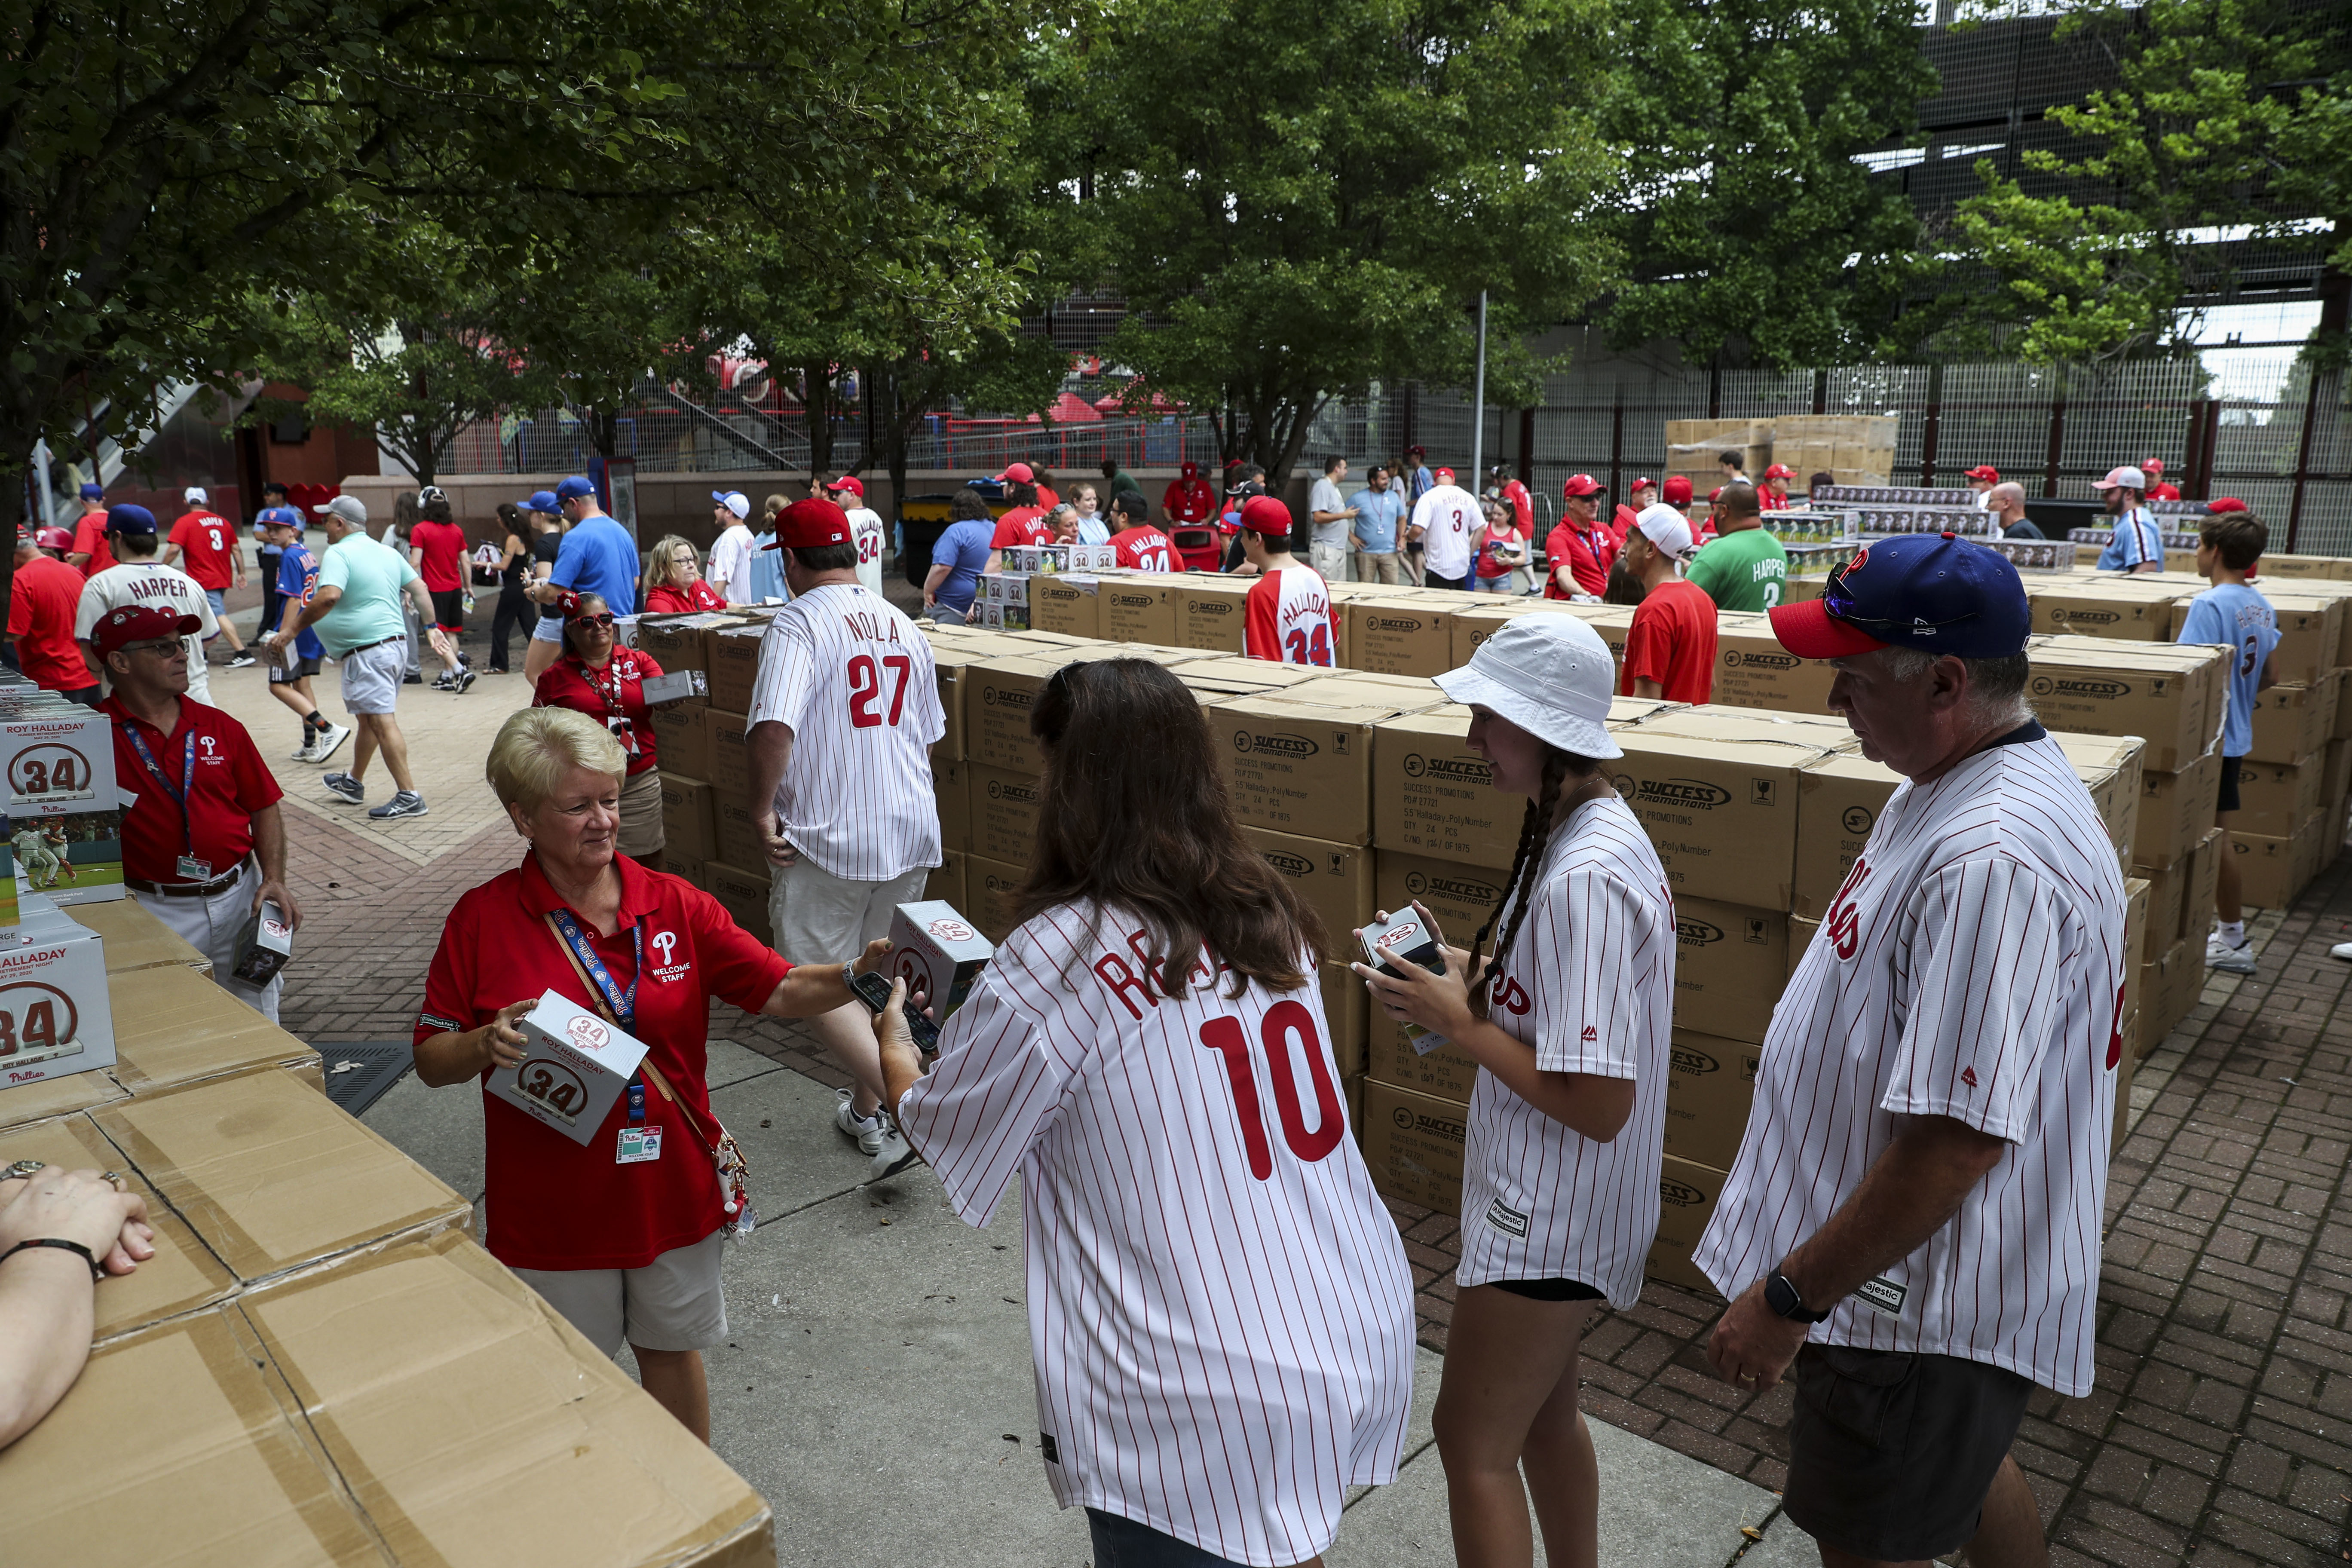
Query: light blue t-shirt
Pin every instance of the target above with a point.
(2237, 617)
(2136, 538)
(963, 550)
(1093, 530)
(767, 571)
(598, 556)
(1378, 515)
(370, 577)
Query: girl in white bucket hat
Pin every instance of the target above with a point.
(1567, 1021)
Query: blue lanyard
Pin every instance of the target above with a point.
(187, 776)
(621, 1005)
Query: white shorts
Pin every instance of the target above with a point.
(211, 927)
(819, 918)
(371, 677)
(550, 630)
(673, 1304)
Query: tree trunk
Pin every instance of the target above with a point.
(816, 397)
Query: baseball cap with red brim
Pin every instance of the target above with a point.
(1578, 486)
(1017, 474)
(1780, 471)
(2225, 504)
(1263, 514)
(1940, 593)
(1442, 476)
(809, 525)
(1987, 473)
(117, 630)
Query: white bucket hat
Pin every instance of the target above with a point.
(1549, 674)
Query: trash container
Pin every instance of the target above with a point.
(923, 518)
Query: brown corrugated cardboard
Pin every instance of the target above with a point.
(2126, 1069)
(1369, 687)
(1071, 604)
(2270, 869)
(694, 873)
(1709, 1087)
(2110, 767)
(1461, 897)
(2196, 889)
(2175, 810)
(734, 653)
(2103, 607)
(743, 891)
(681, 740)
(135, 938)
(676, 642)
(2311, 633)
(1413, 1145)
(1445, 1073)
(950, 784)
(1296, 768)
(690, 816)
(58, 1096)
(274, 1177)
(2136, 907)
(1714, 721)
(731, 759)
(952, 658)
(174, 1026)
(1801, 936)
(2276, 798)
(997, 695)
(1688, 1194)
(1210, 612)
(1401, 636)
(1139, 609)
(2167, 892)
(1347, 1009)
(2291, 723)
(2168, 694)
(736, 836)
(946, 883)
(1336, 880)
(1215, 677)
(1753, 671)
(1433, 795)
(461, 1408)
(1721, 813)
(1003, 811)
(1729, 963)
(989, 890)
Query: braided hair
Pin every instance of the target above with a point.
(1543, 818)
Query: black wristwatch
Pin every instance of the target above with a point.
(1782, 1298)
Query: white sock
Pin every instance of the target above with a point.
(2233, 931)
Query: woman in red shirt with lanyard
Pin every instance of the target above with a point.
(599, 678)
(673, 581)
(621, 1234)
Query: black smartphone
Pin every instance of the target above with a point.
(1409, 935)
(875, 992)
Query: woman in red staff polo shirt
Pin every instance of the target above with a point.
(673, 581)
(601, 679)
(622, 1235)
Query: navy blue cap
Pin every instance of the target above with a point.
(129, 518)
(279, 516)
(573, 489)
(93, 492)
(541, 500)
(1936, 593)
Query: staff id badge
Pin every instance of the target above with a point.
(638, 1145)
(194, 870)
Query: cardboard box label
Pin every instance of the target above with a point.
(1710, 1087)
(574, 1069)
(1414, 1146)
(1399, 637)
(1731, 963)
(1297, 769)
(1335, 880)
(1003, 809)
(1722, 814)
(1433, 795)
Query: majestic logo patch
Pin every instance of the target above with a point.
(1508, 1220)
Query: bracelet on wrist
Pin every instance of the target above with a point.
(97, 1270)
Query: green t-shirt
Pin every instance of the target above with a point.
(1742, 571)
(371, 576)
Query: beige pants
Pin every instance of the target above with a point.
(1379, 566)
(641, 817)
(819, 918)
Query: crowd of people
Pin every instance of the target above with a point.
(1910, 1230)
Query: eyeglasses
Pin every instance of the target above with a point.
(602, 619)
(160, 649)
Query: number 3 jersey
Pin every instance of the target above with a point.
(1218, 1306)
(1589, 984)
(854, 681)
(1971, 966)
(1288, 617)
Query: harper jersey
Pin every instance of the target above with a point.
(1589, 984)
(853, 679)
(149, 582)
(1449, 517)
(1219, 1309)
(1289, 617)
(1144, 548)
(1971, 966)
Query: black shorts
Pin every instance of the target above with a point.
(292, 670)
(2231, 768)
(1549, 1290)
(1891, 1453)
(449, 609)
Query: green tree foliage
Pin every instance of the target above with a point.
(1754, 233)
(1298, 201)
(2217, 124)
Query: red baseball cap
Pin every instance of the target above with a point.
(1263, 514)
(1192, 470)
(54, 539)
(1780, 471)
(1442, 476)
(1643, 483)
(1987, 473)
(1017, 474)
(140, 623)
(1578, 486)
(2152, 464)
(847, 482)
(2226, 503)
(1677, 490)
(810, 525)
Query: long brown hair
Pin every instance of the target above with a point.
(1543, 818)
(1136, 816)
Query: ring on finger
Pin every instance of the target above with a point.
(24, 1170)
(121, 1185)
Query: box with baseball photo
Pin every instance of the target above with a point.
(57, 1015)
(574, 1066)
(938, 952)
(65, 814)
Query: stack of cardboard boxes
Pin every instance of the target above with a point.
(1854, 449)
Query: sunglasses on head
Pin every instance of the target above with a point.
(1840, 602)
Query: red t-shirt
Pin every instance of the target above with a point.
(696, 595)
(1021, 525)
(1770, 499)
(614, 696)
(41, 606)
(1144, 548)
(1490, 568)
(2164, 492)
(1621, 524)
(206, 541)
(1587, 555)
(554, 1204)
(90, 539)
(1523, 508)
(232, 783)
(1046, 500)
(443, 548)
(1187, 500)
(1671, 642)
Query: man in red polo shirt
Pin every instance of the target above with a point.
(1579, 549)
(41, 603)
(1773, 495)
(215, 560)
(204, 844)
(90, 554)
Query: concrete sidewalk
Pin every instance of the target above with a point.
(875, 1384)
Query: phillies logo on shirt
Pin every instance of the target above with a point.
(665, 944)
(207, 742)
(1844, 922)
(1509, 995)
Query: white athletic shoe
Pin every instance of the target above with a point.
(867, 1133)
(330, 741)
(2220, 955)
(308, 752)
(2342, 949)
(896, 1153)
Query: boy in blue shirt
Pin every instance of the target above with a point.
(2233, 614)
(289, 682)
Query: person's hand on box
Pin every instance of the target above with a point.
(871, 959)
(501, 1040)
(80, 1206)
(1438, 1002)
(274, 891)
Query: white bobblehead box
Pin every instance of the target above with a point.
(55, 1016)
(574, 1066)
(937, 952)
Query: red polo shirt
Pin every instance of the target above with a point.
(1588, 554)
(555, 1203)
(614, 696)
(232, 783)
(41, 603)
(206, 541)
(90, 539)
(443, 547)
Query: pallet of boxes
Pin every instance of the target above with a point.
(319, 1364)
(698, 749)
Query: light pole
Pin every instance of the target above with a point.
(1478, 403)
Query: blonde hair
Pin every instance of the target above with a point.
(770, 507)
(660, 563)
(537, 746)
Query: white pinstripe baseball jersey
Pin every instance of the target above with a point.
(1589, 984)
(852, 678)
(1287, 617)
(1971, 967)
(866, 532)
(1219, 1307)
(1449, 517)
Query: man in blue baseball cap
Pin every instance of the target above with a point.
(597, 556)
(1913, 1219)
(90, 554)
(137, 577)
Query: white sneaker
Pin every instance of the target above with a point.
(867, 1133)
(2342, 949)
(2220, 955)
(308, 752)
(896, 1153)
(330, 741)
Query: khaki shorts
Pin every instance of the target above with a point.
(819, 918)
(673, 1304)
(641, 817)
